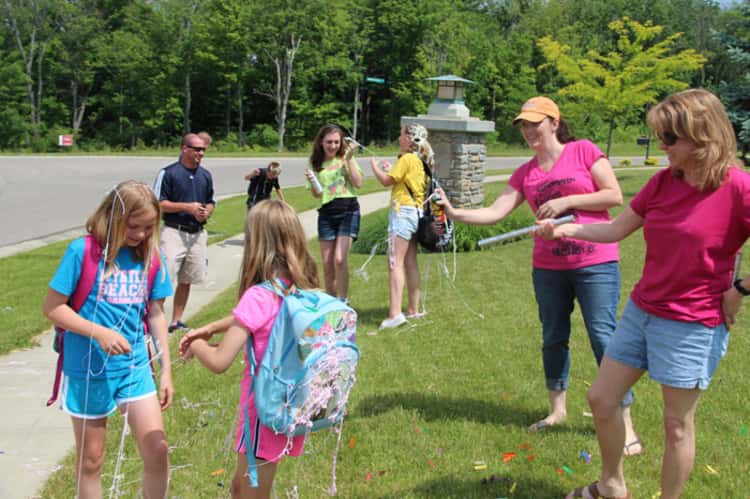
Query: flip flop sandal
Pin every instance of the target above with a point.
(626, 450)
(592, 492)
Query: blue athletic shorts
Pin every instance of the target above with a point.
(675, 353)
(105, 395)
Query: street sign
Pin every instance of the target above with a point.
(371, 79)
(65, 140)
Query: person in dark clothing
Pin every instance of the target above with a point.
(262, 182)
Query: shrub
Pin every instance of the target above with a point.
(651, 161)
(466, 236)
(264, 135)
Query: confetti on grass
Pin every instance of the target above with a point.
(480, 465)
(218, 472)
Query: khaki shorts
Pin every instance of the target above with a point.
(185, 255)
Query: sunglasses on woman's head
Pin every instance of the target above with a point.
(668, 138)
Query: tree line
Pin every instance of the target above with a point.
(123, 74)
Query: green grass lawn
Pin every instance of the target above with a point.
(26, 275)
(458, 386)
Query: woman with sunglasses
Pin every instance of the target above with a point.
(695, 217)
(565, 176)
(334, 178)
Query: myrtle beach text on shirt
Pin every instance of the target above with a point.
(123, 287)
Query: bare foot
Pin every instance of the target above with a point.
(551, 420)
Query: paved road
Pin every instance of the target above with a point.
(44, 195)
(45, 198)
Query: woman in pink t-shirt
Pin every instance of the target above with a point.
(695, 217)
(565, 176)
(275, 249)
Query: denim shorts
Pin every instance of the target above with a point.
(332, 225)
(675, 353)
(97, 398)
(403, 223)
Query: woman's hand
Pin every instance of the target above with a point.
(349, 152)
(731, 301)
(552, 208)
(111, 341)
(547, 230)
(442, 200)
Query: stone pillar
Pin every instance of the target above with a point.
(460, 147)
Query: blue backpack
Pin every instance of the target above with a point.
(303, 382)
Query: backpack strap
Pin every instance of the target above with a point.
(428, 184)
(92, 252)
(252, 467)
(153, 270)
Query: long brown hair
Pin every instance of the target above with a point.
(698, 115)
(318, 154)
(563, 132)
(275, 242)
(110, 220)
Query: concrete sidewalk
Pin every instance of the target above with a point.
(34, 438)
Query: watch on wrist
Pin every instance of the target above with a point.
(741, 289)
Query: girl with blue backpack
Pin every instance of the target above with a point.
(275, 252)
(104, 299)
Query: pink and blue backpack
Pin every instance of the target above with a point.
(303, 381)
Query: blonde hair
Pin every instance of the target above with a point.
(274, 167)
(274, 242)
(109, 223)
(419, 144)
(699, 116)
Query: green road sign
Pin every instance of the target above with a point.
(371, 79)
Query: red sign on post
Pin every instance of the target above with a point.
(65, 140)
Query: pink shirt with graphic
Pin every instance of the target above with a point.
(257, 312)
(691, 240)
(571, 174)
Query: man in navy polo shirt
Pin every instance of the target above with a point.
(186, 194)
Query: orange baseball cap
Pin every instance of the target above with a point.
(538, 108)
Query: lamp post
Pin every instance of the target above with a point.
(458, 141)
(450, 96)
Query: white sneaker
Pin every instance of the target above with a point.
(395, 322)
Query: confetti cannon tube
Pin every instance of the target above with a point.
(520, 232)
